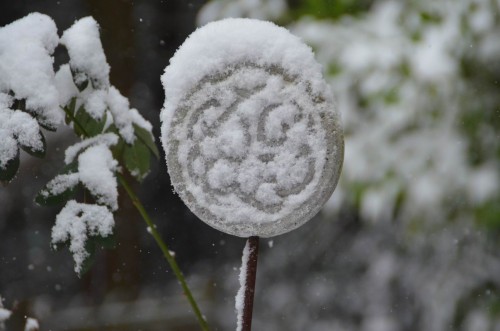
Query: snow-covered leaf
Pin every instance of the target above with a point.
(40, 153)
(87, 59)
(76, 223)
(61, 188)
(147, 139)
(107, 139)
(87, 126)
(26, 66)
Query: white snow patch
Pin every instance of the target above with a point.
(4, 314)
(96, 167)
(17, 127)
(240, 296)
(31, 324)
(65, 84)
(107, 139)
(123, 116)
(85, 50)
(60, 184)
(26, 65)
(95, 103)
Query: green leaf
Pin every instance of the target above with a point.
(9, 171)
(137, 159)
(53, 199)
(46, 126)
(147, 139)
(36, 153)
(86, 125)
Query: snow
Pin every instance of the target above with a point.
(107, 139)
(76, 222)
(123, 116)
(250, 130)
(17, 127)
(26, 65)
(96, 167)
(31, 325)
(60, 184)
(95, 103)
(240, 296)
(85, 51)
(4, 314)
(65, 85)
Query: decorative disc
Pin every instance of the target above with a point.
(252, 139)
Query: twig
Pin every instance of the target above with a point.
(249, 282)
(164, 248)
(166, 253)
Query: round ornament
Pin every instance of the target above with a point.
(251, 134)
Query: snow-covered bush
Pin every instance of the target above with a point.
(34, 97)
(114, 139)
(417, 86)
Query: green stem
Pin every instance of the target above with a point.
(166, 253)
(73, 118)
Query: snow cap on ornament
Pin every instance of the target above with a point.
(250, 130)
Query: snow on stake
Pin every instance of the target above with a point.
(251, 135)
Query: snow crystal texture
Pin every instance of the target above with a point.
(250, 130)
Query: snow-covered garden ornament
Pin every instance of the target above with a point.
(251, 135)
(252, 138)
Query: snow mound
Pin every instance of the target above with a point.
(86, 53)
(26, 68)
(250, 130)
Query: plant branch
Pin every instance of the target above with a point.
(166, 253)
(73, 118)
(164, 248)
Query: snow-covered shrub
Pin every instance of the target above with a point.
(114, 139)
(417, 86)
(113, 136)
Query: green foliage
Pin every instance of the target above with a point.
(329, 8)
(488, 216)
(87, 125)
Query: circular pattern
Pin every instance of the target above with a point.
(253, 149)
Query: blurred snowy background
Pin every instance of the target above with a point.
(408, 241)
